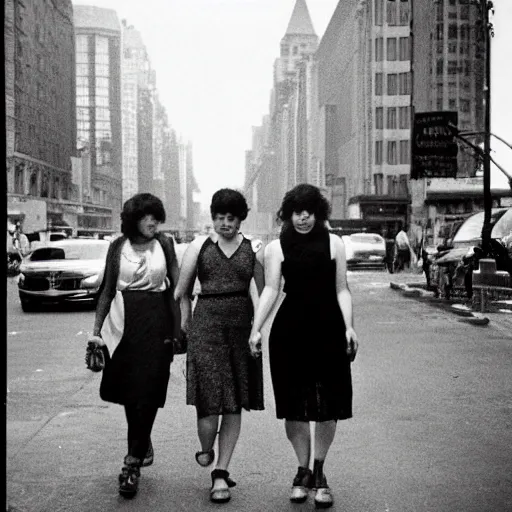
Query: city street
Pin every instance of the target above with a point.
(431, 432)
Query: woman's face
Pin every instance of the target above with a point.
(148, 226)
(303, 221)
(226, 225)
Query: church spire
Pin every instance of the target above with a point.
(300, 22)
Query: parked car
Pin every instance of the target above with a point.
(454, 262)
(63, 271)
(365, 250)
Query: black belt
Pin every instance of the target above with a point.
(224, 294)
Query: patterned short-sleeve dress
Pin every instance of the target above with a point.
(222, 376)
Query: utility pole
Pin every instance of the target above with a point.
(487, 32)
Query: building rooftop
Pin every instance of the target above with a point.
(90, 16)
(300, 22)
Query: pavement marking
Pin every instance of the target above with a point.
(39, 370)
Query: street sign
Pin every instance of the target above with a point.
(434, 147)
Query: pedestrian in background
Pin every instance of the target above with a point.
(222, 377)
(403, 250)
(312, 340)
(137, 317)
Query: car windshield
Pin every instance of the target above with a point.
(89, 251)
(471, 229)
(364, 238)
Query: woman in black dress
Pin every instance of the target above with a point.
(222, 377)
(137, 318)
(312, 341)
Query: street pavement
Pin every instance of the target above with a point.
(432, 426)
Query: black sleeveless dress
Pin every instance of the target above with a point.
(307, 346)
(222, 376)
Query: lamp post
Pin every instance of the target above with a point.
(487, 32)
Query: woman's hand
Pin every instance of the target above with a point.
(352, 343)
(255, 344)
(96, 339)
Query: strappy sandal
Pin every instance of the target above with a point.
(129, 477)
(221, 495)
(206, 458)
(150, 456)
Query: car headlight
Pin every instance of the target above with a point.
(91, 281)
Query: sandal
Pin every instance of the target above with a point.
(129, 477)
(221, 495)
(206, 458)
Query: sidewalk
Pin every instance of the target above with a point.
(412, 284)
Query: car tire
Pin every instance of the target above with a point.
(29, 306)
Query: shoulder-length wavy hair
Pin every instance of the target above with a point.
(304, 197)
(136, 208)
(228, 200)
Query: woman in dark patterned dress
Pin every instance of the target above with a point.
(222, 377)
(312, 341)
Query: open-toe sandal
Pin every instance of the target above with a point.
(206, 458)
(221, 495)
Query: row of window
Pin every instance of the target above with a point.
(397, 152)
(397, 12)
(396, 84)
(392, 123)
(454, 67)
(396, 49)
(397, 185)
(51, 187)
(462, 32)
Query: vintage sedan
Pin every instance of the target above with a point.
(365, 250)
(64, 271)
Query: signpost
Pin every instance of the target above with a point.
(434, 147)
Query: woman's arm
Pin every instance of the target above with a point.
(273, 260)
(187, 273)
(107, 290)
(343, 294)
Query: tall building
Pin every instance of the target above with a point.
(448, 69)
(286, 156)
(98, 100)
(364, 95)
(40, 125)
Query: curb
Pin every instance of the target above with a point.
(467, 316)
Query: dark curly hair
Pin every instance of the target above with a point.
(228, 200)
(136, 208)
(304, 197)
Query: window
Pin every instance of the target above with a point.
(452, 47)
(392, 156)
(403, 185)
(404, 80)
(295, 50)
(379, 49)
(452, 31)
(391, 118)
(404, 118)
(439, 67)
(464, 32)
(391, 48)
(440, 32)
(379, 9)
(377, 183)
(378, 84)
(391, 15)
(19, 180)
(404, 13)
(464, 106)
(391, 185)
(378, 152)
(379, 118)
(452, 67)
(405, 49)
(452, 104)
(392, 84)
(439, 104)
(405, 158)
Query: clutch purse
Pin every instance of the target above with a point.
(96, 356)
(180, 343)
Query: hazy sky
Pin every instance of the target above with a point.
(214, 66)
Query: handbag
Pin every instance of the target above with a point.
(180, 343)
(96, 356)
